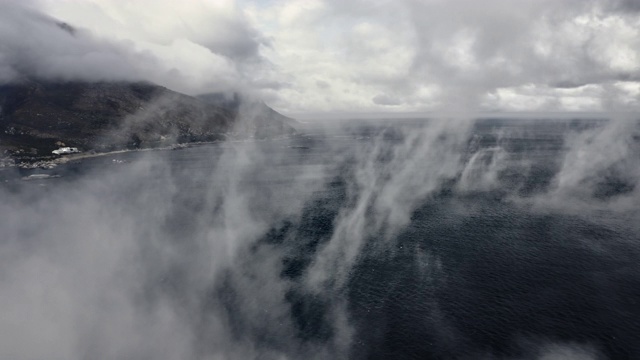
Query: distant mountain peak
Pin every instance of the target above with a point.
(36, 114)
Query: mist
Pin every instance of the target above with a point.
(231, 259)
(457, 234)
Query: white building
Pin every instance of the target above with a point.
(66, 150)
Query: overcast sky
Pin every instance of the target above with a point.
(343, 56)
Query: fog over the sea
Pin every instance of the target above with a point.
(234, 251)
(258, 249)
(349, 57)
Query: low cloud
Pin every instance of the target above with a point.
(213, 50)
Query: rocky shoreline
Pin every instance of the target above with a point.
(50, 162)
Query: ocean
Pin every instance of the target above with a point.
(385, 239)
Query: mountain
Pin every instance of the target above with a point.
(256, 118)
(37, 117)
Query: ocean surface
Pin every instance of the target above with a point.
(406, 239)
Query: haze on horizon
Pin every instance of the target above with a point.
(333, 57)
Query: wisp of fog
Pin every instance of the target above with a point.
(253, 249)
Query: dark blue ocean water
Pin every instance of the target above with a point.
(350, 243)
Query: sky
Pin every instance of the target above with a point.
(357, 56)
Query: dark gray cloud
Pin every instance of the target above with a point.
(625, 6)
(384, 99)
(35, 44)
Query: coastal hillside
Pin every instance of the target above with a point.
(37, 117)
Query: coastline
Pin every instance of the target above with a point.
(44, 163)
(47, 163)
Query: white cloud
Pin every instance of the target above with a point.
(315, 56)
(466, 52)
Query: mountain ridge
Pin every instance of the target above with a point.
(38, 116)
